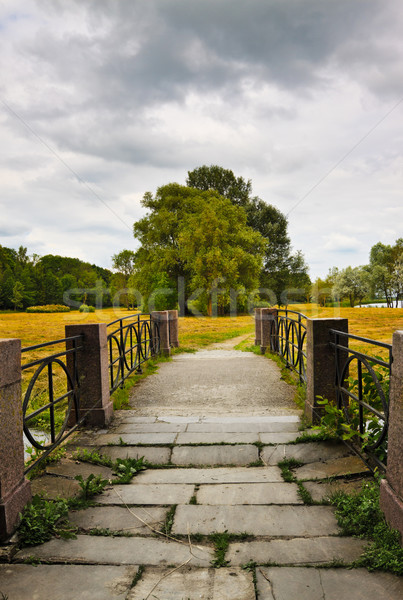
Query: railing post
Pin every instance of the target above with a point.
(162, 318)
(267, 316)
(391, 499)
(15, 490)
(173, 328)
(93, 372)
(258, 327)
(321, 369)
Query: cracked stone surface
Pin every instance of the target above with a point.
(288, 583)
(272, 520)
(66, 582)
(119, 551)
(191, 584)
(117, 518)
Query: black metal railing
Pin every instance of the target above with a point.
(362, 387)
(131, 341)
(288, 339)
(53, 392)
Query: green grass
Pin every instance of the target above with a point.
(286, 467)
(169, 520)
(360, 515)
(221, 543)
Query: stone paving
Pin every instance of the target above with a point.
(209, 474)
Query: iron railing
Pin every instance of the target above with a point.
(131, 341)
(288, 339)
(362, 387)
(54, 401)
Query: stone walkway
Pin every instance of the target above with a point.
(209, 474)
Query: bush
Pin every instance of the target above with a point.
(48, 308)
(86, 308)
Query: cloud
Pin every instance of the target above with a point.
(132, 95)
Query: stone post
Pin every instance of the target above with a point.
(321, 365)
(391, 499)
(161, 317)
(15, 490)
(258, 328)
(173, 328)
(93, 372)
(267, 317)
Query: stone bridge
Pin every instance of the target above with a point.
(213, 517)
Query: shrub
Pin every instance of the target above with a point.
(48, 308)
(86, 308)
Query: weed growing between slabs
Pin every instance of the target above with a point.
(360, 515)
(42, 518)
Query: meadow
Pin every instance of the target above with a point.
(374, 323)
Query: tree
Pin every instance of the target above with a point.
(222, 181)
(351, 283)
(322, 289)
(198, 236)
(385, 271)
(124, 262)
(278, 264)
(17, 295)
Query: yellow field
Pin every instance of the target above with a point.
(374, 323)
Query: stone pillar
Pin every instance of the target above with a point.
(93, 372)
(15, 490)
(320, 364)
(391, 499)
(173, 328)
(267, 317)
(161, 317)
(258, 328)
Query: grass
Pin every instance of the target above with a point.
(221, 543)
(360, 515)
(286, 467)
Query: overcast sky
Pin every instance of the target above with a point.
(103, 100)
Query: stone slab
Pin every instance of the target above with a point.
(136, 493)
(177, 419)
(249, 493)
(242, 427)
(339, 467)
(287, 583)
(65, 582)
(275, 521)
(279, 438)
(323, 490)
(306, 452)
(216, 475)
(253, 419)
(55, 487)
(71, 468)
(157, 455)
(192, 584)
(118, 518)
(133, 439)
(126, 416)
(214, 455)
(149, 428)
(217, 438)
(87, 549)
(297, 551)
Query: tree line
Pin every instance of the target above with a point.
(39, 280)
(381, 278)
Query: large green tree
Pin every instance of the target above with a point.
(200, 238)
(281, 270)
